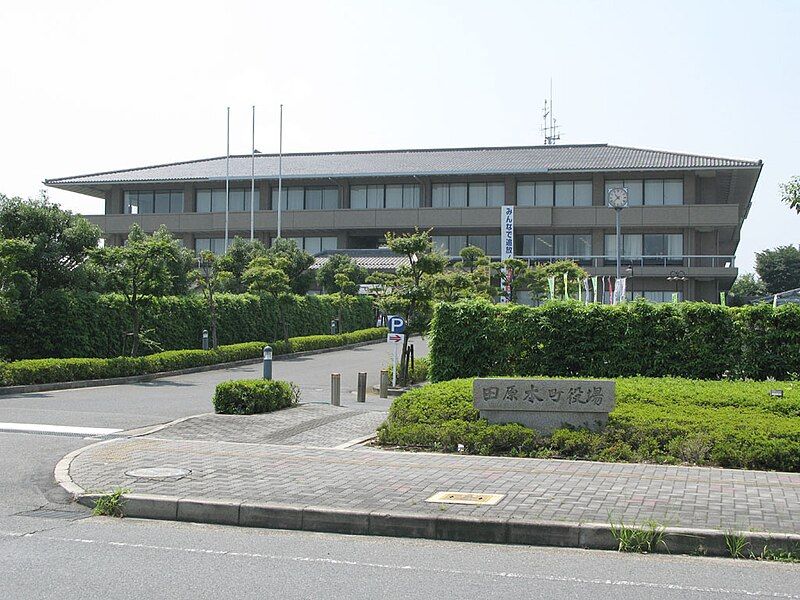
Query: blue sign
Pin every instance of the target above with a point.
(396, 324)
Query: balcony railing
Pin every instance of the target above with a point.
(688, 261)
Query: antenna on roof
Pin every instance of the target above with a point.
(550, 129)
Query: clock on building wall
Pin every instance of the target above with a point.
(618, 197)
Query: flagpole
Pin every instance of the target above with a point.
(253, 180)
(280, 170)
(227, 177)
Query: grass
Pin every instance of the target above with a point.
(644, 539)
(110, 504)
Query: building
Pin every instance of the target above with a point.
(680, 232)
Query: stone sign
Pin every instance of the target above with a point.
(545, 404)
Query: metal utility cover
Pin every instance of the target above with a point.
(466, 498)
(158, 473)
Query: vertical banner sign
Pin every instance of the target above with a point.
(506, 247)
(566, 286)
(551, 281)
(722, 298)
(594, 286)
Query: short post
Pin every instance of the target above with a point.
(205, 339)
(336, 387)
(384, 383)
(267, 362)
(362, 388)
(333, 326)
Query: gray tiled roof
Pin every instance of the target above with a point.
(371, 260)
(527, 159)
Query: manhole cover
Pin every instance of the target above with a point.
(466, 498)
(158, 473)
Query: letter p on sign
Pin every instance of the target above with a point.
(396, 324)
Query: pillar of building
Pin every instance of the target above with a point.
(689, 188)
(510, 183)
(264, 195)
(189, 199)
(598, 190)
(425, 192)
(344, 195)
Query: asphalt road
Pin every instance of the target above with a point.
(50, 548)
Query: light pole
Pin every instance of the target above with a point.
(676, 276)
(618, 200)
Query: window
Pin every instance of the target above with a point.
(459, 195)
(451, 245)
(215, 245)
(554, 193)
(575, 246)
(384, 196)
(214, 200)
(306, 198)
(651, 192)
(651, 246)
(313, 244)
(161, 201)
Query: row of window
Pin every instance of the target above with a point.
(641, 192)
(658, 296)
(648, 244)
(451, 245)
(314, 244)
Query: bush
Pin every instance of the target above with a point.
(252, 396)
(418, 373)
(732, 424)
(51, 370)
(561, 339)
(65, 324)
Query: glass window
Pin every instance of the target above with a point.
(440, 195)
(374, 196)
(458, 194)
(313, 245)
(477, 240)
(563, 245)
(204, 202)
(176, 202)
(313, 198)
(544, 193)
(295, 197)
(298, 241)
(564, 193)
(394, 196)
(631, 246)
(495, 194)
(330, 198)
(477, 194)
(674, 245)
(635, 192)
(358, 196)
(131, 203)
(440, 242)
(526, 192)
(673, 191)
(236, 201)
(411, 196)
(655, 245)
(457, 242)
(329, 243)
(543, 245)
(161, 202)
(583, 245)
(202, 244)
(653, 192)
(145, 202)
(218, 199)
(583, 193)
(493, 245)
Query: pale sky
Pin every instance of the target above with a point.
(95, 86)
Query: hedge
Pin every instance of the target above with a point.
(252, 396)
(67, 324)
(732, 424)
(51, 370)
(689, 339)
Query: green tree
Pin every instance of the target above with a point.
(779, 268)
(267, 275)
(347, 289)
(181, 265)
(60, 241)
(541, 273)
(512, 275)
(294, 262)
(15, 281)
(211, 279)
(143, 266)
(409, 291)
(336, 264)
(790, 193)
(235, 261)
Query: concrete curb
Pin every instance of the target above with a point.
(68, 385)
(596, 536)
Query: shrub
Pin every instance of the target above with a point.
(50, 370)
(560, 339)
(418, 373)
(252, 396)
(65, 324)
(734, 424)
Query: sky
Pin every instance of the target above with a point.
(94, 86)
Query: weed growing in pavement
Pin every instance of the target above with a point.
(790, 556)
(736, 544)
(638, 539)
(110, 504)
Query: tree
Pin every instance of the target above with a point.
(180, 266)
(15, 281)
(339, 264)
(790, 193)
(541, 273)
(142, 267)
(409, 291)
(267, 275)
(60, 241)
(779, 268)
(347, 290)
(746, 288)
(294, 262)
(210, 278)
(235, 261)
(513, 275)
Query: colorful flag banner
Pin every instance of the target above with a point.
(674, 297)
(551, 281)
(722, 298)
(566, 287)
(775, 301)
(594, 287)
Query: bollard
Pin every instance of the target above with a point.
(334, 327)
(336, 386)
(384, 383)
(362, 388)
(205, 339)
(267, 362)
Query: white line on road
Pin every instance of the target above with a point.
(61, 429)
(675, 587)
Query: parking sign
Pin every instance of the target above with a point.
(396, 324)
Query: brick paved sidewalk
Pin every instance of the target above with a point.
(361, 479)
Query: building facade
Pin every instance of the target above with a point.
(679, 233)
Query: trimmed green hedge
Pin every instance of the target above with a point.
(419, 373)
(65, 324)
(51, 370)
(733, 424)
(688, 339)
(252, 396)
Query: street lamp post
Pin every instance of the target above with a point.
(618, 200)
(676, 276)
